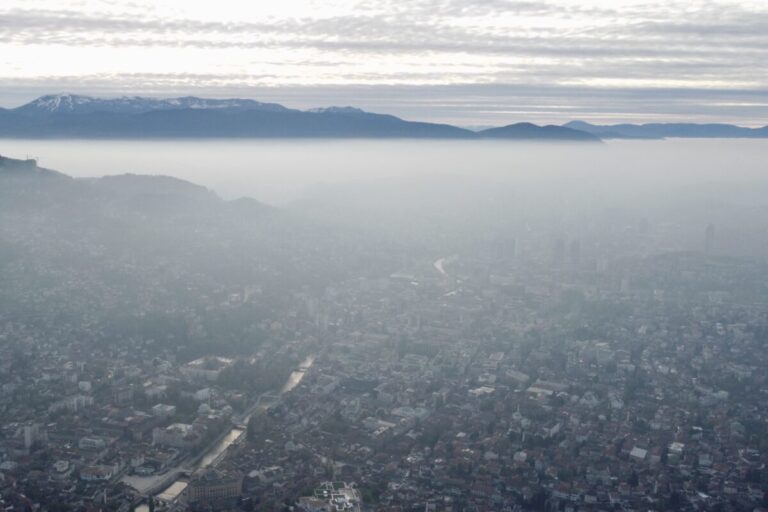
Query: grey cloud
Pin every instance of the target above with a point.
(715, 42)
(393, 31)
(443, 8)
(21, 20)
(359, 34)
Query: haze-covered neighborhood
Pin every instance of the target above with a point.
(384, 256)
(167, 349)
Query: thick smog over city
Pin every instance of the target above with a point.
(424, 256)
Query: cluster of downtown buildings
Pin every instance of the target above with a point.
(472, 390)
(600, 372)
(451, 388)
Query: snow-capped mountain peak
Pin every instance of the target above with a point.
(76, 104)
(337, 110)
(59, 102)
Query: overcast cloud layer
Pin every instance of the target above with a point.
(469, 62)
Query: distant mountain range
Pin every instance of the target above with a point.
(668, 130)
(70, 115)
(75, 104)
(67, 115)
(532, 131)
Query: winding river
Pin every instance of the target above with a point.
(214, 455)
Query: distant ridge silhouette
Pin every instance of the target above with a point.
(69, 115)
(664, 130)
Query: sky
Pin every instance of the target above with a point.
(467, 62)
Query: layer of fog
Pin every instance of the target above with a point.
(453, 196)
(280, 172)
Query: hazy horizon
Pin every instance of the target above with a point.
(520, 117)
(280, 171)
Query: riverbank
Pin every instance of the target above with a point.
(170, 485)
